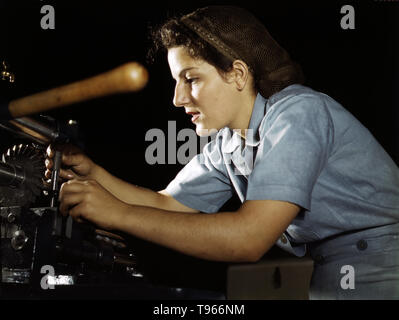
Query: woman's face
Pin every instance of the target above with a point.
(210, 99)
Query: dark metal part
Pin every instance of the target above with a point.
(38, 127)
(21, 175)
(55, 178)
(11, 175)
(19, 240)
(17, 131)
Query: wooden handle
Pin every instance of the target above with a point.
(126, 78)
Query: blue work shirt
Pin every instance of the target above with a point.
(305, 148)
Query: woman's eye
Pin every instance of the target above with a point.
(191, 80)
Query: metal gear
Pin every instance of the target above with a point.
(30, 158)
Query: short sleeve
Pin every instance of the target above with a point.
(203, 184)
(295, 140)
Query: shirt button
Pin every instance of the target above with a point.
(362, 245)
(283, 239)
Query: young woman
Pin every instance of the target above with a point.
(309, 175)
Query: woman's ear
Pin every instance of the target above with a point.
(240, 72)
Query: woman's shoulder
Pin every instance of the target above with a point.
(296, 93)
(297, 102)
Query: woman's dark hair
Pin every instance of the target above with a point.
(221, 34)
(174, 33)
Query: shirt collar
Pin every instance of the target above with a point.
(232, 140)
(258, 113)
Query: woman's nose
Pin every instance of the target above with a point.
(181, 97)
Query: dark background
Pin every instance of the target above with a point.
(358, 68)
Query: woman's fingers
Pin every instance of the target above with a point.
(71, 194)
(67, 174)
(73, 186)
(64, 174)
(68, 159)
(68, 201)
(75, 213)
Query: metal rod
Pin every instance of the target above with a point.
(57, 222)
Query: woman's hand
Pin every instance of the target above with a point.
(75, 164)
(88, 200)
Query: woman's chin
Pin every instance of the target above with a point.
(205, 132)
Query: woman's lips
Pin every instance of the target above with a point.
(195, 115)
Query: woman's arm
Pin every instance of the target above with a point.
(78, 166)
(136, 195)
(244, 235)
